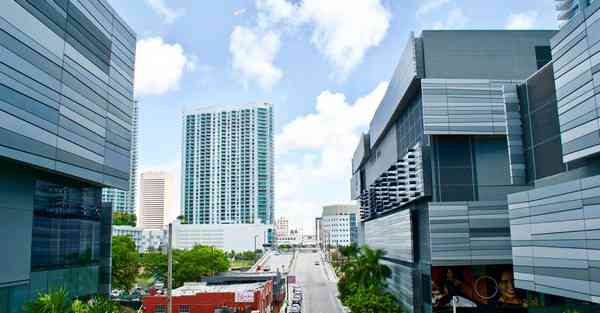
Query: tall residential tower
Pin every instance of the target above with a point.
(228, 164)
(124, 200)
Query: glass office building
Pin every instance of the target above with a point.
(66, 106)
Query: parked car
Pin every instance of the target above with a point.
(296, 300)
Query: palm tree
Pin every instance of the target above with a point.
(56, 301)
(370, 272)
(101, 305)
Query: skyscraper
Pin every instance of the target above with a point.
(155, 199)
(66, 96)
(124, 200)
(568, 9)
(228, 164)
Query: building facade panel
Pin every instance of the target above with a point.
(48, 55)
(393, 234)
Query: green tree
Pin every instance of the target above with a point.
(192, 265)
(101, 305)
(56, 301)
(124, 218)
(125, 262)
(155, 265)
(372, 300)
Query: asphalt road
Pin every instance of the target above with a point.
(318, 282)
(279, 262)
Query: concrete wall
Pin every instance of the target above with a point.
(237, 237)
(482, 54)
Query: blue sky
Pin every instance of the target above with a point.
(324, 64)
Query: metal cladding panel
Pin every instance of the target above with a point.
(393, 234)
(355, 186)
(404, 75)
(577, 80)
(383, 157)
(469, 233)
(361, 152)
(555, 232)
(66, 88)
(464, 106)
(402, 284)
(482, 54)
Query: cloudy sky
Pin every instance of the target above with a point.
(324, 64)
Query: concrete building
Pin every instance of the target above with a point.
(338, 225)
(236, 237)
(291, 238)
(155, 199)
(66, 97)
(228, 164)
(124, 200)
(144, 239)
(443, 151)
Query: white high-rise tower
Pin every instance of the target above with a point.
(155, 199)
(227, 172)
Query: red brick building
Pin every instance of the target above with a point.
(201, 298)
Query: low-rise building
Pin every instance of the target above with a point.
(203, 298)
(228, 237)
(144, 239)
(338, 225)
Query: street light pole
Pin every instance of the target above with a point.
(170, 270)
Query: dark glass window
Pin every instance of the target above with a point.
(541, 131)
(543, 55)
(66, 225)
(455, 181)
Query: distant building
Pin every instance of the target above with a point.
(292, 238)
(338, 225)
(124, 200)
(282, 228)
(155, 199)
(203, 298)
(144, 239)
(228, 237)
(228, 164)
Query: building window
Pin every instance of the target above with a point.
(161, 308)
(184, 308)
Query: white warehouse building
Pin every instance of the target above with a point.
(144, 239)
(228, 237)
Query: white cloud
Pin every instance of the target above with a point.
(253, 51)
(239, 12)
(159, 66)
(345, 30)
(524, 20)
(169, 15)
(430, 5)
(341, 30)
(325, 140)
(455, 19)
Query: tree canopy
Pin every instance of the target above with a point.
(125, 262)
(124, 218)
(363, 281)
(193, 264)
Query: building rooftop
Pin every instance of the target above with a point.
(190, 289)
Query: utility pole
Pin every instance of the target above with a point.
(170, 270)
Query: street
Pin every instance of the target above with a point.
(318, 282)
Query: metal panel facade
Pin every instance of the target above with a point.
(66, 88)
(576, 70)
(393, 234)
(469, 233)
(555, 233)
